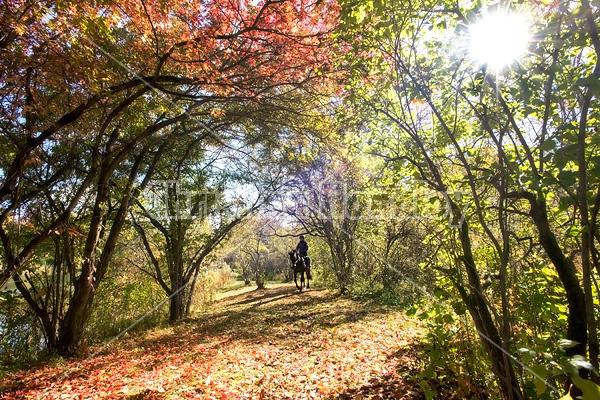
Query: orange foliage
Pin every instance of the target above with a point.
(221, 48)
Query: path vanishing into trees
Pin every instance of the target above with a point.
(273, 344)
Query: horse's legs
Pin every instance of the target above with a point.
(307, 280)
(296, 281)
(302, 279)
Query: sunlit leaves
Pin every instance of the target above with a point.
(503, 134)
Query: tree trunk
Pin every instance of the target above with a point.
(178, 296)
(486, 328)
(177, 306)
(577, 327)
(341, 257)
(72, 329)
(260, 282)
(490, 338)
(586, 234)
(190, 293)
(178, 289)
(73, 325)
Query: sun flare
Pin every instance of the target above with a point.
(499, 39)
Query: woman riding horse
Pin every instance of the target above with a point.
(302, 249)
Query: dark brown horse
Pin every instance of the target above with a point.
(300, 265)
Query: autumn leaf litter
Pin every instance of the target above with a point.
(270, 344)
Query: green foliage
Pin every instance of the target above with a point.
(591, 390)
(122, 300)
(505, 148)
(454, 363)
(548, 367)
(540, 300)
(21, 338)
(322, 264)
(209, 283)
(258, 254)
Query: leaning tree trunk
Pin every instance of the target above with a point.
(577, 326)
(486, 328)
(73, 325)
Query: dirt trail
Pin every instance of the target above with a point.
(272, 344)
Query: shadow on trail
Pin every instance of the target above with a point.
(280, 314)
(383, 387)
(281, 306)
(259, 297)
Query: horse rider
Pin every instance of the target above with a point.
(302, 249)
